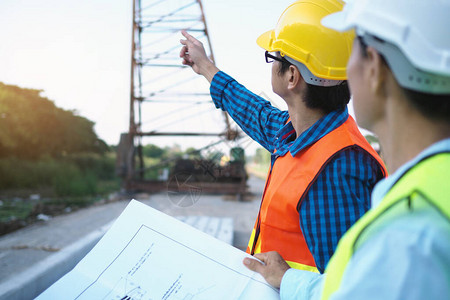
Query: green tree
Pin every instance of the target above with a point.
(153, 151)
(32, 127)
(262, 156)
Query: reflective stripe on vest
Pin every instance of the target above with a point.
(277, 227)
(424, 186)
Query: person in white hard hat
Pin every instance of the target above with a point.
(399, 75)
(322, 169)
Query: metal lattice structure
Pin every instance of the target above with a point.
(167, 98)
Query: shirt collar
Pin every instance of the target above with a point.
(383, 186)
(326, 124)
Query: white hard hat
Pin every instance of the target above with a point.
(412, 35)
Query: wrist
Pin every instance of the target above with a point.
(209, 70)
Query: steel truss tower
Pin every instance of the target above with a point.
(166, 98)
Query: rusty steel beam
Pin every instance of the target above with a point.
(152, 32)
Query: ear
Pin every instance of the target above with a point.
(294, 78)
(376, 70)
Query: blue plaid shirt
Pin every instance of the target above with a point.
(341, 193)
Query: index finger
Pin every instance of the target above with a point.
(261, 257)
(187, 36)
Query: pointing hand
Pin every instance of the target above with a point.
(194, 55)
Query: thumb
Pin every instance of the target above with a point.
(253, 265)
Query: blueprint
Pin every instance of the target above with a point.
(147, 255)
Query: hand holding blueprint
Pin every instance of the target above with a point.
(147, 255)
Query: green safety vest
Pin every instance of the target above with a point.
(426, 185)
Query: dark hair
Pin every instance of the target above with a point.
(327, 99)
(432, 106)
(436, 107)
(285, 64)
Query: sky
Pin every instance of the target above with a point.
(78, 52)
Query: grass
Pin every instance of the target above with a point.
(69, 182)
(12, 210)
(17, 212)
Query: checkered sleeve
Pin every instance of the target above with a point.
(336, 200)
(255, 115)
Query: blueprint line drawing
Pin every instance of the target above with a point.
(147, 255)
(144, 233)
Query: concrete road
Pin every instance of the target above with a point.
(39, 253)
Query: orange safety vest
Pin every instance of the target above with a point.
(277, 227)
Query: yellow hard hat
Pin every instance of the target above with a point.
(300, 35)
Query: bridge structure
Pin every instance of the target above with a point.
(168, 99)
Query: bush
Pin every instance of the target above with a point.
(16, 173)
(73, 182)
(103, 166)
(75, 175)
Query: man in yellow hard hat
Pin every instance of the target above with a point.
(322, 170)
(399, 73)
